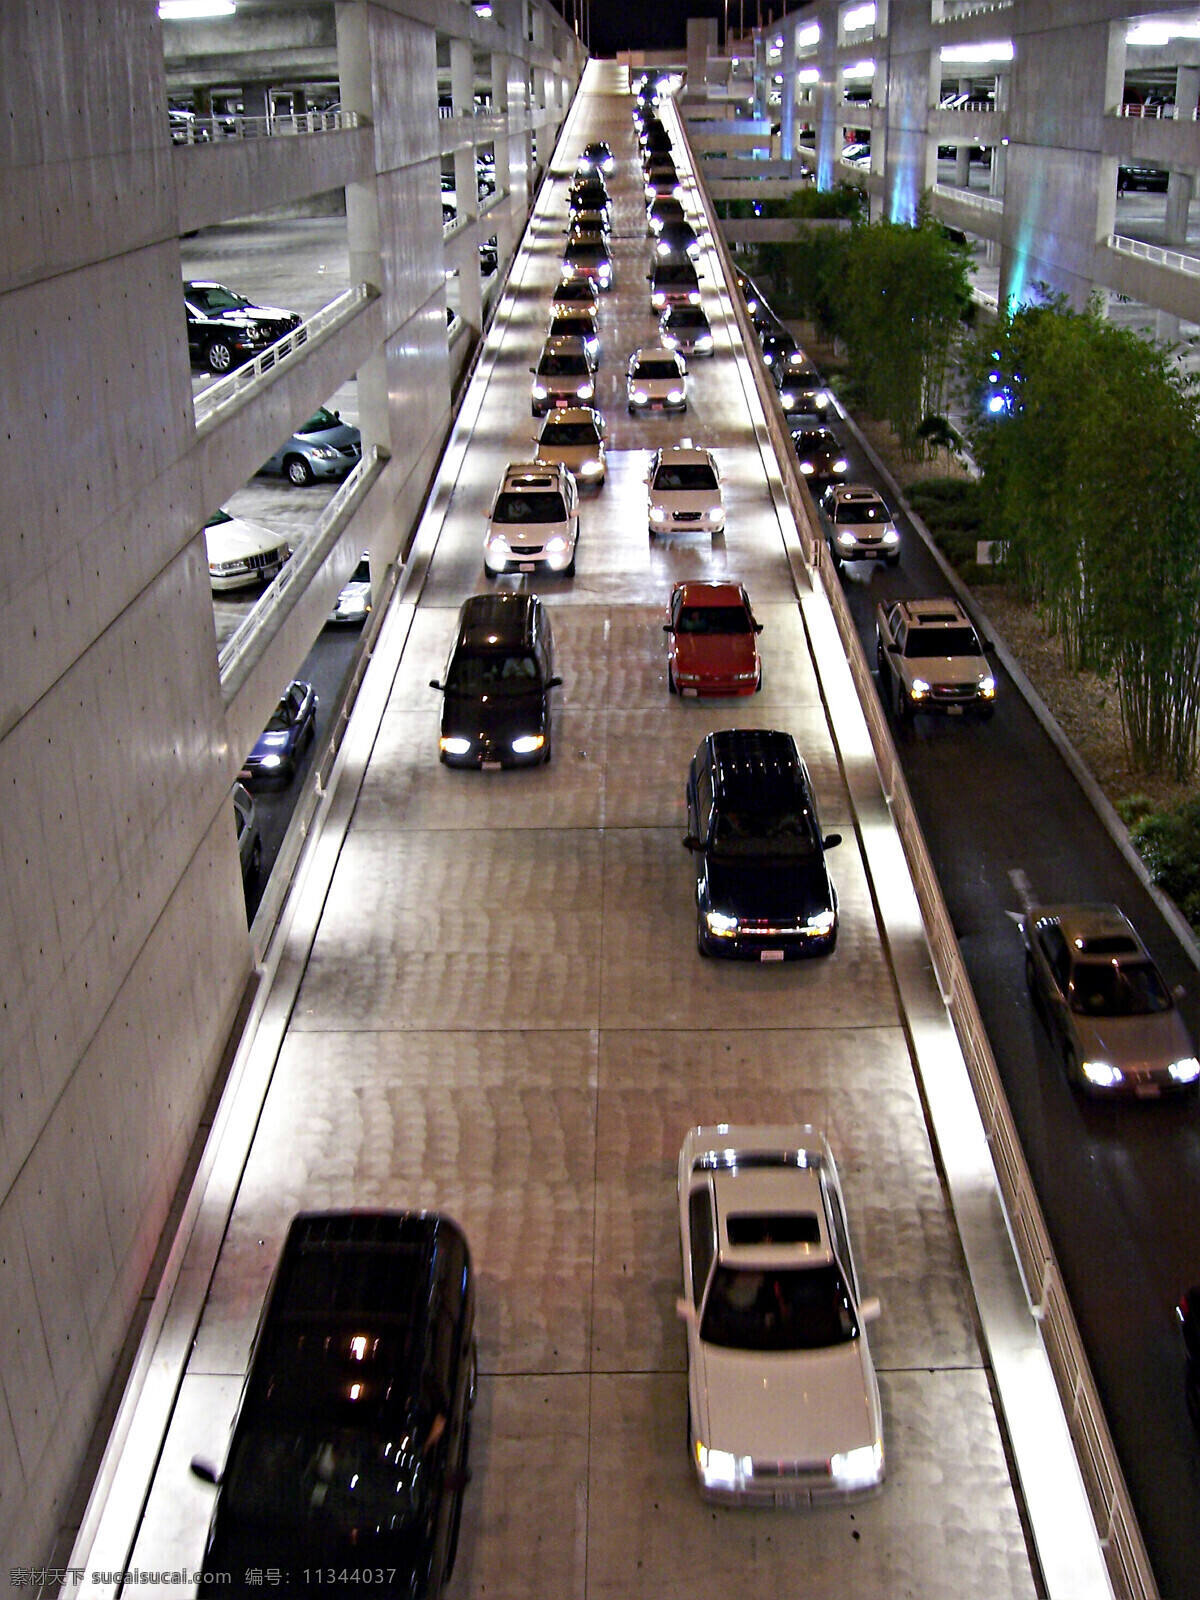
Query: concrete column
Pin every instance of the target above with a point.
(362, 216)
(1187, 91)
(761, 76)
(255, 100)
(462, 77)
(466, 187)
(999, 162)
(1179, 198)
(1166, 327)
(499, 83)
(962, 166)
(787, 98)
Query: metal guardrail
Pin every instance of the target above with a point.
(952, 10)
(1108, 1497)
(212, 403)
(1159, 113)
(1174, 259)
(218, 126)
(969, 197)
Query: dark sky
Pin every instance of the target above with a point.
(644, 24)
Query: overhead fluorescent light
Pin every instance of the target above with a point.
(998, 50)
(1160, 33)
(859, 17)
(809, 34)
(809, 75)
(190, 10)
(859, 69)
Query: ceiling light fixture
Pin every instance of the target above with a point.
(998, 50)
(192, 10)
(859, 17)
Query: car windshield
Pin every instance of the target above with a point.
(805, 1308)
(546, 507)
(675, 272)
(686, 477)
(281, 717)
(217, 518)
(585, 253)
(362, 572)
(579, 327)
(814, 443)
(713, 619)
(1118, 989)
(929, 642)
(763, 832)
(572, 366)
(345, 1481)
(656, 369)
(583, 433)
(492, 673)
(320, 422)
(861, 511)
(218, 299)
(686, 317)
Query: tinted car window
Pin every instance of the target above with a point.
(713, 620)
(569, 433)
(703, 1239)
(529, 508)
(861, 511)
(760, 832)
(573, 366)
(800, 1309)
(941, 642)
(492, 673)
(1125, 989)
(656, 369)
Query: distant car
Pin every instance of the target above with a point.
(1153, 179)
(663, 210)
(242, 553)
(350, 1447)
(576, 294)
(859, 525)
(1105, 1003)
(661, 182)
(656, 380)
(496, 693)
(763, 891)
(597, 157)
(677, 239)
(800, 389)
(590, 225)
(674, 282)
(249, 839)
(322, 447)
(686, 329)
(779, 349)
(278, 748)
(1187, 1312)
(353, 604)
(783, 1401)
(819, 455)
(931, 659)
(225, 330)
(569, 323)
(534, 520)
(713, 640)
(683, 492)
(564, 376)
(588, 194)
(574, 437)
(582, 258)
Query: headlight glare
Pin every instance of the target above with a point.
(821, 922)
(674, 396)
(528, 743)
(919, 688)
(858, 1469)
(455, 746)
(1101, 1073)
(806, 468)
(840, 465)
(719, 923)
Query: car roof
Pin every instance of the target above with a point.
(1097, 929)
(572, 414)
(698, 592)
(757, 766)
(684, 455)
(567, 344)
(653, 352)
(532, 475)
(854, 491)
(501, 621)
(931, 613)
(771, 1216)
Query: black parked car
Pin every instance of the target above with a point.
(225, 330)
(348, 1458)
(496, 694)
(763, 891)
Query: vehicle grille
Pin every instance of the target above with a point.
(953, 691)
(687, 516)
(269, 558)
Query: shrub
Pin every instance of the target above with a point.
(1169, 842)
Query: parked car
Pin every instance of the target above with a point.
(564, 375)
(763, 890)
(674, 282)
(225, 330)
(683, 492)
(496, 692)
(931, 659)
(686, 329)
(656, 379)
(582, 258)
(353, 604)
(1187, 1312)
(323, 447)
(712, 640)
(819, 455)
(534, 520)
(576, 294)
(1152, 179)
(1105, 1004)
(351, 1441)
(241, 552)
(249, 839)
(783, 1401)
(859, 525)
(288, 734)
(574, 437)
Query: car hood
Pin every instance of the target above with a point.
(794, 1406)
(1145, 1044)
(495, 721)
(229, 540)
(339, 438)
(684, 499)
(946, 669)
(249, 316)
(721, 654)
(769, 888)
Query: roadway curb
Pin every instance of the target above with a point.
(1050, 724)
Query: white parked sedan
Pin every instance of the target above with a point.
(783, 1404)
(241, 552)
(656, 380)
(684, 492)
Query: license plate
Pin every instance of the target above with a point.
(690, 694)
(770, 955)
(954, 711)
(490, 766)
(527, 566)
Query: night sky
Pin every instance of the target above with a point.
(646, 25)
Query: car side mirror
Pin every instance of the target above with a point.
(684, 1309)
(434, 684)
(667, 628)
(554, 683)
(534, 371)
(691, 842)
(204, 1470)
(758, 627)
(831, 841)
(870, 1309)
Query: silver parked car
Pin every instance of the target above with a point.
(324, 447)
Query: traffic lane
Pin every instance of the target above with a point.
(1119, 1184)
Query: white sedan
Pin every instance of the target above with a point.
(783, 1404)
(656, 380)
(683, 492)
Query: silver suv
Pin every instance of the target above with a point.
(860, 526)
(534, 520)
(931, 659)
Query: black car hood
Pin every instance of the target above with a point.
(494, 721)
(761, 888)
(250, 316)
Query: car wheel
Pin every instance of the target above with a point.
(672, 686)
(901, 704)
(549, 750)
(220, 355)
(298, 471)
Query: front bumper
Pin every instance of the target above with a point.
(488, 755)
(760, 943)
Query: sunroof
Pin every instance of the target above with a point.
(787, 1227)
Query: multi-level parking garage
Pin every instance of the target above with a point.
(485, 997)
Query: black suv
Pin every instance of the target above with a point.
(762, 888)
(225, 330)
(496, 697)
(348, 1458)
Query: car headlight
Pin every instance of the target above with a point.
(671, 342)
(840, 465)
(821, 922)
(857, 1469)
(568, 269)
(591, 469)
(796, 359)
(455, 746)
(768, 359)
(704, 342)
(657, 514)
(1102, 1074)
(1185, 1070)
(787, 399)
(720, 924)
(591, 346)
(694, 297)
(586, 391)
(497, 541)
(806, 468)
(846, 540)
(987, 688)
(269, 761)
(890, 536)
(658, 300)
(556, 544)
(528, 743)
(605, 275)
(674, 396)
(664, 249)
(678, 191)
(720, 1468)
(638, 396)
(820, 401)
(919, 688)
(323, 452)
(539, 391)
